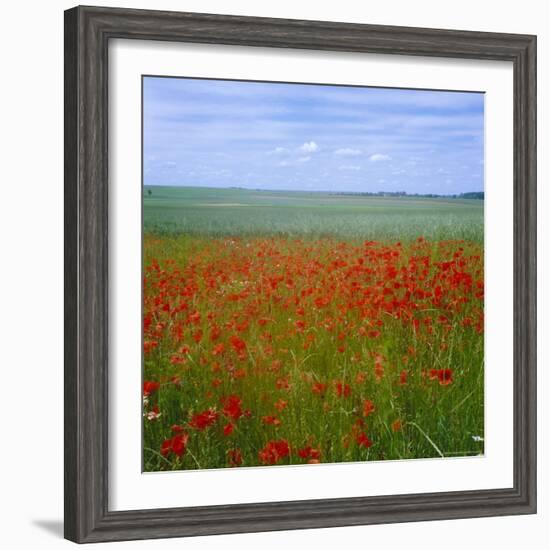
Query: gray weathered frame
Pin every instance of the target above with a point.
(87, 34)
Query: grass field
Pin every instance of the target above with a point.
(295, 328)
(220, 212)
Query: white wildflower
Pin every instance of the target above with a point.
(152, 415)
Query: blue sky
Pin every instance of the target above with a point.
(308, 137)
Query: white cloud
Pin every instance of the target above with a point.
(377, 157)
(353, 167)
(347, 152)
(304, 159)
(309, 147)
(278, 151)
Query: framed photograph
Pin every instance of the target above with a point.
(300, 274)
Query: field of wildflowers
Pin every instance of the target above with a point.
(274, 350)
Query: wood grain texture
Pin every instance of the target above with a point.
(87, 34)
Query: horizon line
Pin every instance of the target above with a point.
(278, 190)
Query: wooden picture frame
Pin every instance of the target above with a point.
(87, 34)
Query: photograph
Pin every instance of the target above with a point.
(313, 273)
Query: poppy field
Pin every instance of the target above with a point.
(319, 343)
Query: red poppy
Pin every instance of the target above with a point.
(215, 333)
(445, 377)
(396, 425)
(176, 445)
(273, 420)
(228, 429)
(218, 349)
(194, 317)
(363, 441)
(234, 457)
(281, 404)
(150, 387)
(232, 407)
(309, 453)
(203, 420)
(238, 344)
(342, 390)
(274, 451)
(368, 407)
(319, 388)
(282, 384)
(149, 346)
(179, 443)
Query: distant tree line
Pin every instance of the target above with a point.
(470, 195)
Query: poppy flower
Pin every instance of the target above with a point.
(342, 390)
(203, 420)
(228, 429)
(176, 445)
(363, 441)
(272, 420)
(218, 349)
(150, 388)
(309, 453)
(149, 346)
(234, 457)
(179, 444)
(215, 333)
(281, 404)
(232, 407)
(319, 388)
(445, 377)
(368, 407)
(274, 451)
(434, 374)
(396, 425)
(238, 344)
(194, 317)
(282, 384)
